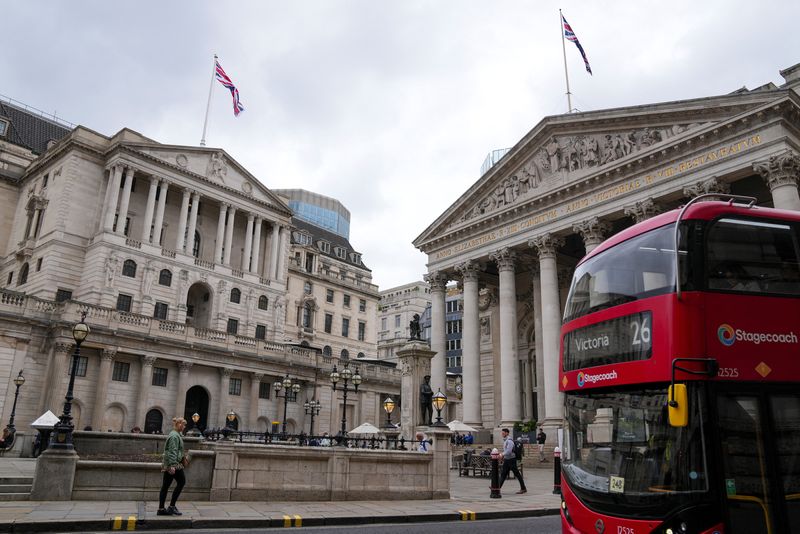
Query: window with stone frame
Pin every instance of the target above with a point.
(233, 326)
(80, 368)
(236, 295)
(124, 302)
(235, 386)
(345, 355)
(362, 330)
(328, 323)
(261, 332)
(160, 376)
(129, 269)
(327, 351)
(345, 326)
(264, 389)
(161, 311)
(346, 300)
(329, 295)
(63, 295)
(121, 371)
(263, 302)
(23, 274)
(165, 278)
(362, 305)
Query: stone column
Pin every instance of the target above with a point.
(126, 199)
(438, 283)
(546, 246)
(710, 185)
(192, 222)
(103, 378)
(159, 224)
(414, 361)
(471, 345)
(255, 384)
(179, 241)
(248, 242)
(114, 179)
(254, 266)
(643, 210)
(62, 357)
(273, 256)
(284, 233)
(145, 382)
(148, 211)
(225, 374)
(229, 235)
(537, 369)
(509, 368)
(183, 386)
(593, 231)
(782, 172)
(223, 210)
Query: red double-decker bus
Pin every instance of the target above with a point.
(682, 405)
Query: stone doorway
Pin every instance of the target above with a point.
(196, 402)
(198, 306)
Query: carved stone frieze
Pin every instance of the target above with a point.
(703, 187)
(487, 297)
(780, 169)
(642, 210)
(217, 168)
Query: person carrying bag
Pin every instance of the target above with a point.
(172, 465)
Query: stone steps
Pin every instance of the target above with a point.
(15, 488)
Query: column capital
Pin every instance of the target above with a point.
(251, 216)
(546, 245)
(185, 367)
(469, 271)
(63, 347)
(258, 377)
(505, 259)
(129, 169)
(779, 169)
(642, 210)
(148, 361)
(592, 230)
(109, 354)
(223, 206)
(437, 280)
(226, 372)
(710, 185)
(154, 180)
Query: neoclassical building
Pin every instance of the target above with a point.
(179, 257)
(396, 309)
(513, 238)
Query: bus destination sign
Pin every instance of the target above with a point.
(623, 339)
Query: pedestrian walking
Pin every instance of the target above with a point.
(172, 465)
(510, 462)
(422, 441)
(541, 437)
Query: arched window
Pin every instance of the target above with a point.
(361, 355)
(236, 295)
(165, 278)
(129, 268)
(196, 245)
(153, 422)
(23, 274)
(345, 354)
(326, 351)
(263, 302)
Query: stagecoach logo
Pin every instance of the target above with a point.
(586, 378)
(728, 335)
(599, 526)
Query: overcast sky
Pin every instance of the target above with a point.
(388, 106)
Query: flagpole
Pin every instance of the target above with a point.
(208, 104)
(564, 50)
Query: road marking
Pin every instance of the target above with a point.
(298, 521)
(131, 522)
(117, 523)
(287, 521)
(467, 515)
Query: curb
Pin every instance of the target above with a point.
(107, 525)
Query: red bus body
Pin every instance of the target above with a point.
(753, 338)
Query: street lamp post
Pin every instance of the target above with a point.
(196, 421)
(290, 390)
(389, 405)
(62, 431)
(18, 381)
(312, 408)
(439, 402)
(346, 376)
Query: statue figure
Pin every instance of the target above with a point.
(554, 153)
(416, 331)
(426, 401)
(147, 279)
(111, 269)
(608, 151)
(216, 166)
(529, 179)
(591, 152)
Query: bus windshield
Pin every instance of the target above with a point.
(620, 448)
(640, 267)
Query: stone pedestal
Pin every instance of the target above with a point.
(54, 476)
(441, 461)
(415, 363)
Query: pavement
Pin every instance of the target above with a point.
(469, 500)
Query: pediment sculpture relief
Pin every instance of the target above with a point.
(561, 156)
(217, 168)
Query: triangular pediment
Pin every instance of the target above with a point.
(566, 150)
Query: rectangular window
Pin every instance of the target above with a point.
(362, 305)
(329, 295)
(362, 330)
(383, 323)
(38, 265)
(328, 323)
(160, 376)
(347, 301)
(261, 331)
(121, 371)
(345, 327)
(397, 321)
(10, 278)
(80, 370)
(454, 361)
(161, 310)
(263, 390)
(124, 302)
(235, 386)
(453, 344)
(454, 327)
(233, 326)
(3, 127)
(63, 295)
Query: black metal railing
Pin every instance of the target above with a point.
(305, 440)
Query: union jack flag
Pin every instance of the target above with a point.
(224, 80)
(570, 35)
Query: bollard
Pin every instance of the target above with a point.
(557, 471)
(495, 487)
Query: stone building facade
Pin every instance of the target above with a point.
(513, 238)
(396, 308)
(179, 257)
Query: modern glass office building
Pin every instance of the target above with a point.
(319, 210)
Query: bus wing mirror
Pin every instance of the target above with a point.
(678, 405)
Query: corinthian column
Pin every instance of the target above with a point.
(438, 283)
(223, 210)
(273, 255)
(255, 384)
(470, 339)
(254, 266)
(183, 385)
(224, 384)
(248, 242)
(509, 368)
(145, 379)
(148, 211)
(642, 210)
(159, 223)
(112, 196)
(179, 239)
(546, 246)
(62, 356)
(103, 378)
(192, 223)
(593, 231)
(229, 235)
(781, 172)
(125, 202)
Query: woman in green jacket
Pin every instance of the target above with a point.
(172, 466)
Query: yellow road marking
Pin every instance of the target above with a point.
(117, 523)
(131, 522)
(287, 521)
(298, 521)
